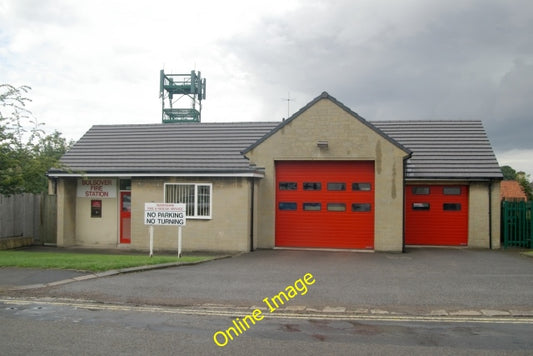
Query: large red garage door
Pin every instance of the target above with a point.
(325, 204)
(436, 215)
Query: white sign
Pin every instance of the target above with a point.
(97, 188)
(164, 214)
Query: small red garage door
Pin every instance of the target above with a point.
(436, 215)
(325, 204)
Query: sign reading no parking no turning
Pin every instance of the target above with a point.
(165, 214)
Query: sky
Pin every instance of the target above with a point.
(97, 62)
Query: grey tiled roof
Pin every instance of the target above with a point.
(440, 149)
(166, 148)
(444, 149)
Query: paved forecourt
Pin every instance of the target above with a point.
(421, 281)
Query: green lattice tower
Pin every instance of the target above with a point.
(174, 89)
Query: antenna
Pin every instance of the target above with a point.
(288, 100)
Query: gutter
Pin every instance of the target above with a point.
(253, 174)
(451, 179)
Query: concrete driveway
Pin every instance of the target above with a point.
(419, 281)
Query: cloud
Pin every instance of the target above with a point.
(408, 60)
(35, 13)
(519, 159)
(98, 62)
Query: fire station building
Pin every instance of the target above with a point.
(324, 178)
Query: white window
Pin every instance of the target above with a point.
(196, 197)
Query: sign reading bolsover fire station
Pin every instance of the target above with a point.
(164, 214)
(97, 188)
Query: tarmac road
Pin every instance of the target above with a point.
(51, 327)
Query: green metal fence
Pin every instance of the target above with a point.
(517, 225)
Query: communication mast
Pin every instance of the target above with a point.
(175, 90)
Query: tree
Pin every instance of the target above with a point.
(12, 111)
(25, 154)
(508, 173)
(523, 180)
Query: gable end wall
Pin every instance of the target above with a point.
(348, 139)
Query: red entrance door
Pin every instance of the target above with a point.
(125, 217)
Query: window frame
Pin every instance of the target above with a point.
(195, 208)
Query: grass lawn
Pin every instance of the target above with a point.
(528, 253)
(85, 262)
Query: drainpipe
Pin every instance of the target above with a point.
(490, 214)
(403, 192)
(252, 189)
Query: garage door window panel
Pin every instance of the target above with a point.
(287, 206)
(312, 206)
(336, 207)
(336, 186)
(362, 187)
(288, 186)
(451, 190)
(420, 190)
(451, 207)
(361, 207)
(421, 206)
(312, 186)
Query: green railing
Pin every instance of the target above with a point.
(517, 225)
